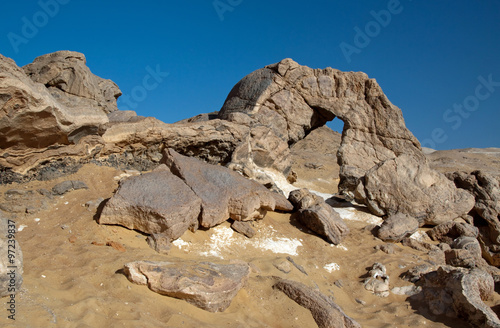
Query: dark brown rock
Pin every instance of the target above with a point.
(225, 194)
(155, 202)
(325, 312)
(209, 286)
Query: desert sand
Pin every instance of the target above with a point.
(70, 282)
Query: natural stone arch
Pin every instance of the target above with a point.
(291, 100)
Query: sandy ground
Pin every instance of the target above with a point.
(69, 282)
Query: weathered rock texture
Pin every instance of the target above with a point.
(460, 292)
(224, 193)
(396, 227)
(291, 100)
(185, 194)
(10, 282)
(209, 286)
(378, 280)
(318, 216)
(62, 117)
(31, 119)
(325, 312)
(156, 202)
(486, 211)
(69, 81)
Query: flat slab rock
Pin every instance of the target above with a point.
(209, 286)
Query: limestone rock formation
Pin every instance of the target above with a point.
(224, 193)
(459, 292)
(486, 211)
(325, 312)
(266, 112)
(70, 82)
(318, 216)
(155, 202)
(291, 100)
(209, 286)
(31, 119)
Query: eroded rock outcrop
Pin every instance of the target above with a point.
(381, 163)
(459, 292)
(31, 119)
(209, 286)
(291, 100)
(70, 81)
(486, 211)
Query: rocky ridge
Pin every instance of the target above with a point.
(57, 116)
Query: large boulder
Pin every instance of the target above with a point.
(209, 286)
(31, 119)
(224, 193)
(155, 202)
(317, 215)
(291, 100)
(70, 81)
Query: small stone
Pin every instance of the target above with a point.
(67, 186)
(360, 301)
(396, 227)
(116, 245)
(339, 283)
(378, 280)
(299, 267)
(243, 227)
(283, 266)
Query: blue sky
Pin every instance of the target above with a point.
(436, 60)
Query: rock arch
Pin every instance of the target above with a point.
(381, 162)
